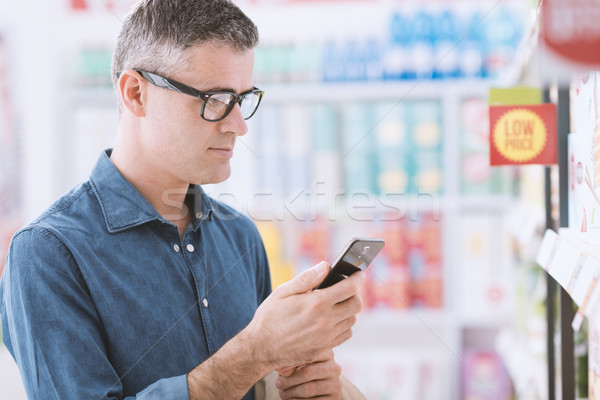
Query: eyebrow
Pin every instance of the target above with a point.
(225, 89)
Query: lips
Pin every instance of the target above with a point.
(226, 152)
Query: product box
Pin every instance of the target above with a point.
(484, 376)
(426, 139)
(313, 243)
(326, 162)
(393, 148)
(396, 237)
(268, 150)
(281, 269)
(408, 271)
(387, 286)
(425, 261)
(477, 176)
(388, 373)
(358, 149)
(296, 155)
(485, 281)
(584, 157)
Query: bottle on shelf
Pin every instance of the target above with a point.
(397, 59)
(445, 51)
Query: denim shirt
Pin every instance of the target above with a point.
(102, 299)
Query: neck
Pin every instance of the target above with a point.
(165, 194)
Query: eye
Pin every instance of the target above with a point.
(216, 105)
(218, 101)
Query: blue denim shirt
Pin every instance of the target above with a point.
(102, 299)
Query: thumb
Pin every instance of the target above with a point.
(306, 281)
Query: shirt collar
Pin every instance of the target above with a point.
(124, 207)
(202, 206)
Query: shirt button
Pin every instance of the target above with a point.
(176, 248)
(199, 215)
(190, 248)
(205, 303)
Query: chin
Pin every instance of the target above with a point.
(218, 177)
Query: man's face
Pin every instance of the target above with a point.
(180, 145)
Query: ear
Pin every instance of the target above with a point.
(132, 88)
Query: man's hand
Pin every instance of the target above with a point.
(319, 379)
(295, 325)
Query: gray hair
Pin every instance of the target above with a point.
(156, 33)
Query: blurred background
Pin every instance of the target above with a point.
(374, 123)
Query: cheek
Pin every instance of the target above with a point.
(175, 133)
(171, 121)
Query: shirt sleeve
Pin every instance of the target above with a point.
(51, 327)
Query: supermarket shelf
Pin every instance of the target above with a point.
(486, 322)
(411, 318)
(485, 203)
(429, 328)
(380, 90)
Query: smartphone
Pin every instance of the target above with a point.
(356, 256)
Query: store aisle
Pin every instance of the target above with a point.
(10, 379)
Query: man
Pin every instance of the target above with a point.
(137, 284)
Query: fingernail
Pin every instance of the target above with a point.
(278, 384)
(362, 275)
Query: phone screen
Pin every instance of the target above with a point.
(357, 256)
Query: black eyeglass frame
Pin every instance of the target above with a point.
(171, 84)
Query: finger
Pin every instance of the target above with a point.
(345, 325)
(348, 307)
(322, 357)
(304, 282)
(344, 289)
(341, 338)
(342, 329)
(314, 389)
(325, 356)
(327, 397)
(308, 373)
(286, 371)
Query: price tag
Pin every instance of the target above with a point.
(523, 135)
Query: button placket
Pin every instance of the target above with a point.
(195, 262)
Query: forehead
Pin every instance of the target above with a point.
(210, 66)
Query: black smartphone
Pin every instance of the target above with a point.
(356, 256)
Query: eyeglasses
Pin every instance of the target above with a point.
(215, 105)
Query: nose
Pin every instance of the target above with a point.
(235, 122)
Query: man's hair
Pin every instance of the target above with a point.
(156, 33)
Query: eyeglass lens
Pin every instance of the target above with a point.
(219, 104)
